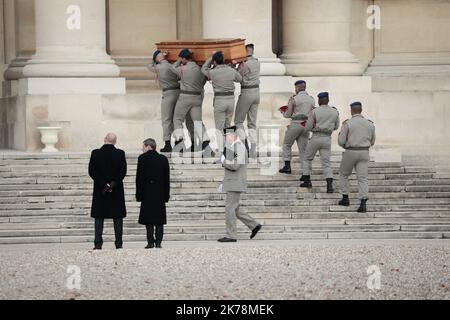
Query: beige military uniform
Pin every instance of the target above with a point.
(168, 82)
(356, 137)
(234, 184)
(322, 121)
(223, 78)
(298, 110)
(192, 83)
(170, 86)
(248, 102)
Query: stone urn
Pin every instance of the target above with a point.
(49, 137)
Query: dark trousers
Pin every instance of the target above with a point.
(118, 231)
(153, 231)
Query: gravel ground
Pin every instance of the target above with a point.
(246, 270)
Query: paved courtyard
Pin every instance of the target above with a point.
(413, 269)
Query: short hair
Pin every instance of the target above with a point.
(150, 143)
(155, 55)
(218, 57)
(356, 104)
(323, 95)
(111, 138)
(300, 82)
(186, 54)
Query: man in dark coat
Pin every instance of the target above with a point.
(108, 168)
(153, 191)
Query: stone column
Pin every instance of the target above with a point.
(19, 36)
(71, 40)
(316, 38)
(251, 20)
(404, 47)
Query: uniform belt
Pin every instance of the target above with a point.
(358, 149)
(300, 122)
(322, 133)
(192, 93)
(299, 118)
(170, 89)
(223, 94)
(256, 86)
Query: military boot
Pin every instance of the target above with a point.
(345, 201)
(167, 148)
(287, 168)
(307, 183)
(330, 185)
(363, 206)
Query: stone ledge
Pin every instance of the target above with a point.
(68, 86)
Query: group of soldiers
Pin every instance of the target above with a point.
(312, 128)
(183, 91)
(182, 85)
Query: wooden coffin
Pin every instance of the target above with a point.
(233, 49)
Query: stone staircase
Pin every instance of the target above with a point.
(47, 198)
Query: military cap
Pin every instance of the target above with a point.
(185, 53)
(230, 130)
(300, 82)
(323, 95)
(356, 104)
(155, 54)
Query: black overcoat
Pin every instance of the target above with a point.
(153, 187)
(108, 165)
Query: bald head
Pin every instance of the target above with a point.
(111, 138)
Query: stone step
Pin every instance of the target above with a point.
(88, 223)
(255, 194)
(109, 239)
(249, 205)
(218, 230)
(199, 178)
(131, 165)
(47, 198)
(215, 200)
(84, 215)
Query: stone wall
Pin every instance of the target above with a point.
(401, 73)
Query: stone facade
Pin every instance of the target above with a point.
(94, 79)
